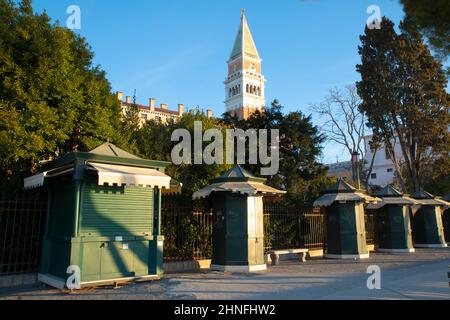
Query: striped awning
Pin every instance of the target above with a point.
(329, 198)
(111, 174)
(38, 180)
(248, 187)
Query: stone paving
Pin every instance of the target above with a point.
(422, 275)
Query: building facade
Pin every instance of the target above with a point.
(160, 114)
(383, 171)
(245, 84)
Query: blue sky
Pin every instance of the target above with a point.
(176, 51)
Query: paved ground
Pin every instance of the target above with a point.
(415, 276)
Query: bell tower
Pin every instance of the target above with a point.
(244, 86)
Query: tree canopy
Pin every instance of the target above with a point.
(52, 98)
(404, 98)
(432, 19)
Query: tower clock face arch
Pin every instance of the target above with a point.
(245, 84)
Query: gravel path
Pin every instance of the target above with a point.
(422, 275)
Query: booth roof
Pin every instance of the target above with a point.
(249, 188)
(390, 195)
(340, 187)
(238, 174)
(327, 199)
(427, 199)
(111, 150)
(388, 191)
(113, 165)
(237, 180)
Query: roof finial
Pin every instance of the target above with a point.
(243, 11)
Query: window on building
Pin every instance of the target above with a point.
(144, 116)
(386, 153)
(390, 170)
(373, 176)
(158, 119)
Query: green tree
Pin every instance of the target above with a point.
(154, 142)
(432, 19)
(130, 124)
(53, 99)
(404, 98)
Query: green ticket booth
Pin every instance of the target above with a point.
(446, 219)
(346, 232)
(393, 221)
(103, 223)
(428, 227)
(238, 225)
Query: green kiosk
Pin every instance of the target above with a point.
(103, 223)
(446, 219)
(238, 227)
(346, 232)
(393, 221)
(427, 223)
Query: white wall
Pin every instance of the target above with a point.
(383, 171)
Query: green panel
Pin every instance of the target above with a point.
(59, 259)
(156, 264)
(61, 208)
(237, 252)
(348, 228)
(398, 228)
(428, 226)
(140, 257)
(333, 229)
(219, 229)
(90, 264)
(116, 262)
(431, 225)
(116, 211)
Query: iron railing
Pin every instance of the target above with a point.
(293, 227)
(371, 227)
(21, 230)
(187, 227)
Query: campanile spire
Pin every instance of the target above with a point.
(244, 85)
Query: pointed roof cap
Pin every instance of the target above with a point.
(341, 187)
(422, 194)
(342, 191)
(111, 150)
(244, 44)
(388, 191)
(237, 174)
(237, 180)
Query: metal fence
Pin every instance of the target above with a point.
(293, 227)
(21, 230)
(187, 227)
(371, 227)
